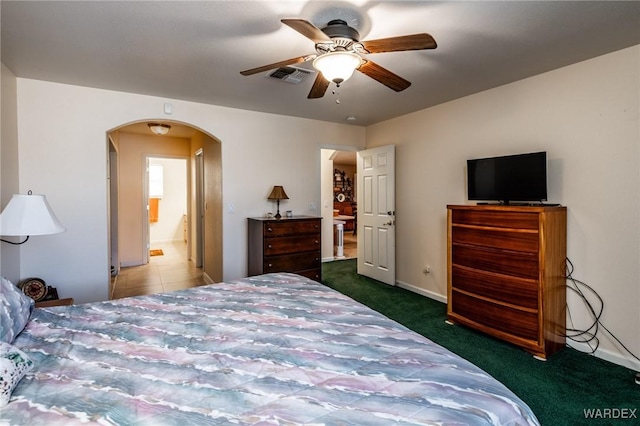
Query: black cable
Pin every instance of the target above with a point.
(15, 244)
(588, 335)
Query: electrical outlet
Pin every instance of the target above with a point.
(313, 207)
(426, 270)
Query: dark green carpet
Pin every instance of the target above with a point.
(558, 390)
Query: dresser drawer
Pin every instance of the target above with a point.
(515, 240)
(283, 245)
(515, 322)
(497, 219)
(292, 262)
(313, 274)
(512, 290)
(514, 263)
(291, 227)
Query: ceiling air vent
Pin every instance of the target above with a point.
(290, 74)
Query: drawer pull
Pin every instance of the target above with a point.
(271, 265)
(269, 246)
(270, 229)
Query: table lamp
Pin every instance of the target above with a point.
(27, 215)
(277, 193)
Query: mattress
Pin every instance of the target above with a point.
(275, 349)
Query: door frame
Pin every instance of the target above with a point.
(198, 246)
(326, 198)
(146, 228)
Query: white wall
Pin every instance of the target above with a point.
(586, 117)
(62, 139)
(10, 254)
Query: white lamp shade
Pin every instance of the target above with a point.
(27, 215)
(337, 66)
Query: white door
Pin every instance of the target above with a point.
(376, 214)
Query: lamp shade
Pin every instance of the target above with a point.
(28, 215)
(277, 193)
(337, 66)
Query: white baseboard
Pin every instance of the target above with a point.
(176, 240)
(607, 355)
(131, 263)
(430, 294)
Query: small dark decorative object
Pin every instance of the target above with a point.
(37, 289)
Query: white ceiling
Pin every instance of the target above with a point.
(194, 50)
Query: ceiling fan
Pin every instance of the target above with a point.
(339, 54)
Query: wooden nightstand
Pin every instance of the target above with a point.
(57, 302)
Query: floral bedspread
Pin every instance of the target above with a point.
(276, 349)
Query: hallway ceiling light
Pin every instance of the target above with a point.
(159, 128)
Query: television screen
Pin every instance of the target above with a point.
(521, 177)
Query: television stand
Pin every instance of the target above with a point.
(505, 273)
(520, 204)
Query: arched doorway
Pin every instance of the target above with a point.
(129, 145)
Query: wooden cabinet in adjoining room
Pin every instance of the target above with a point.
(506, 273)
(285, 245)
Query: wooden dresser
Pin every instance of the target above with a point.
(506, 273)
(286, 245)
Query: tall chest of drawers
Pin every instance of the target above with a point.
(506, 273)
(285, 245)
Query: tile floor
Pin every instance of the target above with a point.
(171, 271)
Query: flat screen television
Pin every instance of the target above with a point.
(519, 178)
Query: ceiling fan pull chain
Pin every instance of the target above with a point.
(335, 92)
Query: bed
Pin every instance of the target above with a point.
(276, 349)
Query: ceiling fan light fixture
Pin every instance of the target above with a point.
(337, 66)
(159, 128)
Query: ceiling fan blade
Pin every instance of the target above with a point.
(307, 29)
(319, 87)
(384, 76)
(401, 43)
(278, 65)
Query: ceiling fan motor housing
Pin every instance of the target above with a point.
(338, 28)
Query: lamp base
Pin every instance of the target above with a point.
(278, 215)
